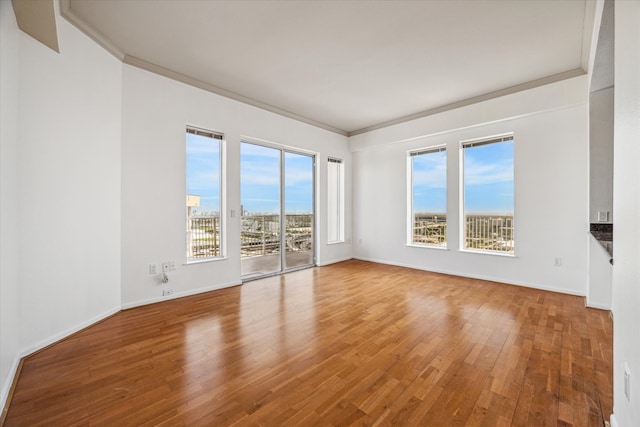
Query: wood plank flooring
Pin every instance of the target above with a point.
(354, 343)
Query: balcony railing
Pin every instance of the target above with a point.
(489, 232)
(260, 235)
(482, 232)
(430, 229)
(203, 236)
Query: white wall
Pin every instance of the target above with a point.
(601, 153)
(9, 324)
(60, 189)
(69, 193)
(155, 113)
(551, 216)
(626, 210)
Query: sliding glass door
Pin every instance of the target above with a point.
(298, 209)
(277, 193)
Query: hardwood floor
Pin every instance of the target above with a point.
(354, 343)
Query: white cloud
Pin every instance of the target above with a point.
(259, 173)
(478, 173)
(202, 145)
(434, 178)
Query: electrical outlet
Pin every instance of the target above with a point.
(166, 266)
(557, 262)
(153, 269)
(167, 292)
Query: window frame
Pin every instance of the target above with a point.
(476, 142)
(411, 154)
(339, 231)
(222, 239)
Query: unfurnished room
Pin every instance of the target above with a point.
(320, 213)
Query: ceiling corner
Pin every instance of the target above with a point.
(591, 28)
(66, 11)
(38, 20)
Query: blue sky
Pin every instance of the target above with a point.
(203, 171)
(430, 182)
(488, 172)
(260, 171)
(260, 180)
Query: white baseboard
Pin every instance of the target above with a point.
(596, 305)
(613, 421)
(57, 337)
(176, 295)
(6, 387)
(333, 261)
(474, 276)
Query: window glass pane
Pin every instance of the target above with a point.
(429, 198)
(204, 181)
(335, 201)
(298, 205)
(488, 196)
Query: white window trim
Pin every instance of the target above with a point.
(341, 202)
(220, 136)
(410, 213)
(503, 137)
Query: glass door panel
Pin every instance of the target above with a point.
(298, 208)
(260, 196)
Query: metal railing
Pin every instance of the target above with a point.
(430, 229)
(203, 236)
(260, 235)
(489, 232)
(481, 232)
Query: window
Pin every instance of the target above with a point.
(487, 192)
(429, 197)
(204, 190)
(335, 201)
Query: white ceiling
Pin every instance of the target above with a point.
(346, 65)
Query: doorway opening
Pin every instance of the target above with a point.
(278, 211)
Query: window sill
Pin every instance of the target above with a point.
(440, 248)
(337, 242)
(495, 253)
(206, 260)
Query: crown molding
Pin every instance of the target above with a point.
(67, 13)
(476, 99)
(174, 75)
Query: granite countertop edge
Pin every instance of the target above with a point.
(603, 233)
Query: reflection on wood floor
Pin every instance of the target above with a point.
(261, 265)
(351, 343)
